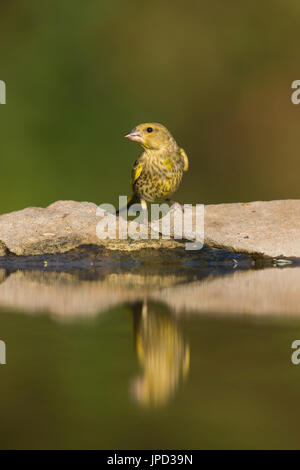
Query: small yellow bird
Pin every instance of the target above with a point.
(158, 171)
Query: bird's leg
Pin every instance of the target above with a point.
(144, 211)
(175, 203)
(146, 220)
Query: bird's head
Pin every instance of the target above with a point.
(152, 136)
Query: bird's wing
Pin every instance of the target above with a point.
(186, 160)
(169, 161)
(136, 170)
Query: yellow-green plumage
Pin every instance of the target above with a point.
(157, 173)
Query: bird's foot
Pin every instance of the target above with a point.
(176, 204)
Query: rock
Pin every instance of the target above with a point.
(266, 229)
(58, 228)
(258, 229)
(62, 226)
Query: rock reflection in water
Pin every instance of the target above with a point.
(70, 295)
(162, 353)
(156, 300)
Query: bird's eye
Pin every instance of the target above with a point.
(149, 129)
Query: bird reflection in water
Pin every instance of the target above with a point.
(162, 353)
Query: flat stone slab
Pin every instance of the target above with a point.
(259, 229)
(266, 229)
(63, 226)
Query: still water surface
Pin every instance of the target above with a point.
(113, 358)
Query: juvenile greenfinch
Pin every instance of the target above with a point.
(157, 173)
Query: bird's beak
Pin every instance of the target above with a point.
(136, 136)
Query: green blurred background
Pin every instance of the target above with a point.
(80, 75)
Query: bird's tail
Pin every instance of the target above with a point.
(134, 199)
